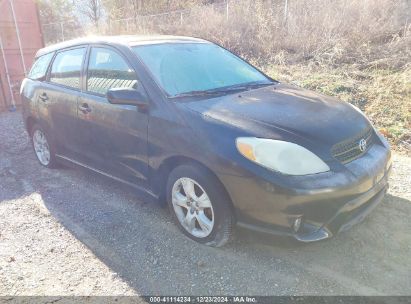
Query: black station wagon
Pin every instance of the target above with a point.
(186, 121)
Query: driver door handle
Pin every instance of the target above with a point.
(43, 97)
(84, 108)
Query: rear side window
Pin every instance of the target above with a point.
(66, 68)
(107, 69)
(39, 68)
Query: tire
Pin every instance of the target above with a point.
(219, 216)
(46, 144)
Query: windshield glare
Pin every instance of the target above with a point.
(186, 67)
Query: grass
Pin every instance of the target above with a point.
(383, 94)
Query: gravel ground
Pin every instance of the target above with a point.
(72, 232)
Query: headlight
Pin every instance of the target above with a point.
(281, 156)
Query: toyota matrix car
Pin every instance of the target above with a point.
(186, 121)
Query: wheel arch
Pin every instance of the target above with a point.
(31, 120)
(172, 162)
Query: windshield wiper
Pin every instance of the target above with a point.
(232, 88)
(195, 93)
(243, 86)
(250, 85)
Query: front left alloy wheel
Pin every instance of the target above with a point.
(199, 205)
(192, 207)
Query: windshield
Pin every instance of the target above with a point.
(194, 67)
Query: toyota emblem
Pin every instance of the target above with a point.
(362, 144)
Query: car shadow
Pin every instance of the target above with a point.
(133, 235)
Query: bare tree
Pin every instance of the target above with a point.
(137, 6)
(92, 9)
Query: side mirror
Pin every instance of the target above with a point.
(126, 97)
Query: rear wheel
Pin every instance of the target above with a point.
(43, 147)
(199, 205)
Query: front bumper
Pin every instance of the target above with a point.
(350, 214)
(326, 203)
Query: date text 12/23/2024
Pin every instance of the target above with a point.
(201, 299)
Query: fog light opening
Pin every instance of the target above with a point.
(297, 224)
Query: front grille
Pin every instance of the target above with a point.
(349, 150)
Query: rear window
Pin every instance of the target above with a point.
(66, 68)
(39, 68)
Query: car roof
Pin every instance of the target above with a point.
(128, 40)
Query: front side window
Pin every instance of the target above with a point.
(191, 67)
(39, 68)
(66, 68)
(107, 70)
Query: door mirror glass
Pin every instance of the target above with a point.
(126, 97)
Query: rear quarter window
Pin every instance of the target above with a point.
(39, 68)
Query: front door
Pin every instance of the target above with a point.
(113, 137)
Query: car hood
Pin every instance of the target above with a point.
(283, 108)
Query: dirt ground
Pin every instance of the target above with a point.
(72, 232)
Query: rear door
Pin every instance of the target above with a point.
(113, 137)
(57, 99)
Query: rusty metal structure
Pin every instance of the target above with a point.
(20, 38)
